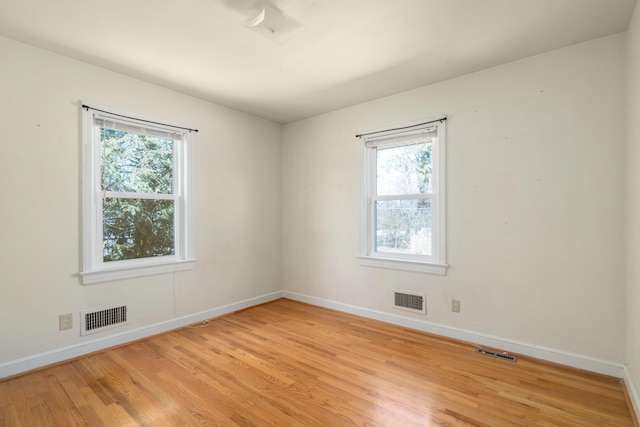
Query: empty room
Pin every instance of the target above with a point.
(320, 212)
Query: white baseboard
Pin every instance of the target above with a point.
(632, 392)
(557, 356)
(15, 367)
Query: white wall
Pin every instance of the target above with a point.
(536, 202)
(536, 189)
(237, 197)
(633, 201)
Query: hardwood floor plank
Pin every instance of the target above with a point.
(291, 364)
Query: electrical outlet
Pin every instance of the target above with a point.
(65, 321)
(455, 305)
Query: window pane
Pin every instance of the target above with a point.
(404, 170)
(136, 163)
(403, 226)
(137, 228)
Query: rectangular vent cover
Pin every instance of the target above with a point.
(497, 355)
(409, 301)
(97, 320)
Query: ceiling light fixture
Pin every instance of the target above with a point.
(272, 23)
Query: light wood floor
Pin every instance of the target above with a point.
(291, 364)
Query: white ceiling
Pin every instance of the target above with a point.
(347, 52)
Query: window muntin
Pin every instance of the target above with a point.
(403, 199)
(137, 199)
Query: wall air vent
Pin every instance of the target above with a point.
(409, 301)
(92, 321)
(503, 356)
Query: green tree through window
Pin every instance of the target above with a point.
(137, 177)
(403, 225)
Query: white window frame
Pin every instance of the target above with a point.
(95, 270)
(435, 264)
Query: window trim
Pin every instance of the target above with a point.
(95, 270)
(367, 256)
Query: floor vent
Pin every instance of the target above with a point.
(503, 356)
(409, 301)
(92, 321)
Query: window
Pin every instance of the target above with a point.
(403, 198)
(136, 196)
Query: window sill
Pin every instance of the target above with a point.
(406, 265)
(129, 272)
